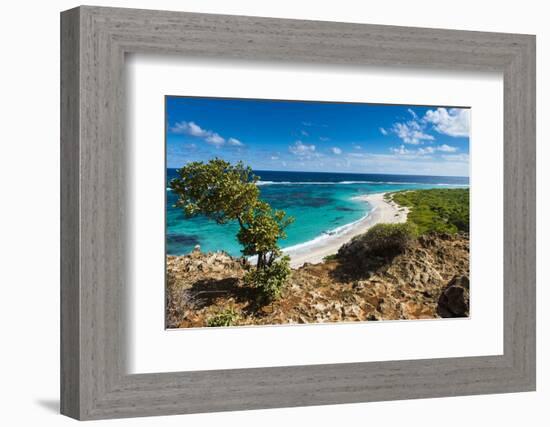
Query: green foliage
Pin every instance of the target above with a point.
(217, 189)
(388, 239)
(441, 210)
(330, 257)
(264, 227)
(377, 246)
(271, 279)
(225, 192)
(227, 317)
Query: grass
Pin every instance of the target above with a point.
(441, 210)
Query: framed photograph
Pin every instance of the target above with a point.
(262, 213)
(289, 229)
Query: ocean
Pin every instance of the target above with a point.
(321, 203)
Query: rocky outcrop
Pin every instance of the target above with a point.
(428, 280)
(455, 298)
(197, 281)
(198, 265)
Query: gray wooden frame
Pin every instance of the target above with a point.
(94, 41)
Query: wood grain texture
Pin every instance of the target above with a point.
(95, 238)
(70, 262)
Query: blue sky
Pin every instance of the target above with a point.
(319, 136)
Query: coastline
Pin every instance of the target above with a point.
(316, 250)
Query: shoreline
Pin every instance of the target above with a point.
(316, 250)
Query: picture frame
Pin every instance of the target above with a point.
(94, 381)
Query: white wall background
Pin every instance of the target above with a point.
(29, 213)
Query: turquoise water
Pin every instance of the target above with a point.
(319, 202)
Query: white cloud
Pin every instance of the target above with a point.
(453, 122)
(336, 150)
(403, 153)
(401, 150)
(274, 157)
(423, 151)
(311, 124)
(304, 133)
(428, 159)
(447, 148)
(412, 113)
(407, 164)
(189, 128)
(411, 132)
(324, 138)
(357, 155)
(234, 142)
(215, 139)
(357, 146)
(301, 149)
(209, 136)
(456, 157)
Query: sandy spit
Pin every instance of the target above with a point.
(314, 251)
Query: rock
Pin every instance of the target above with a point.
(407, 286)
(196, 253)
(413, 310)
(454, 301)
(218, 268)
(352, 311)
(358, 286)
(319, 306)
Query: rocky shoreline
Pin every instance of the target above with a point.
(428, 280)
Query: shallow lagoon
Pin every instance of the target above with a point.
(319, 202)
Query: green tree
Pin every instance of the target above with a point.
(262, 228)
(225, 192)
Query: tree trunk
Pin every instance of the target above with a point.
(261, 261)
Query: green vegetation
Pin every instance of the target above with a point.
(224, 192)
(388, 239)
(441, 210)
(376, 247)
(227, 317)
(271, 279)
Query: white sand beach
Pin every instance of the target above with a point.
(315, 250)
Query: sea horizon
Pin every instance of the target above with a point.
(345, 173)
(322, 203)
(357, 173)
